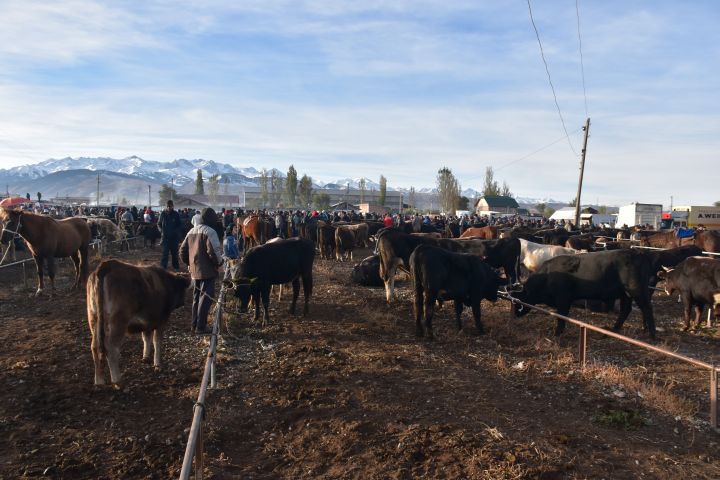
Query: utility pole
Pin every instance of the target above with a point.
(97, 194)
(582, 170)
(149, 199)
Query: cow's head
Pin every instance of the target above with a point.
(667, 275)
(245, 287)
(181, 282)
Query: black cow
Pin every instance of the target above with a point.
(668, 258)
(276, 263)
(150, 233)
(606, 276)
(344, 244)
(697, 281)
(367, 272)
(326, 240)
(502, 253)
(438, 274)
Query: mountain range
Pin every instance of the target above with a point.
(130, 177)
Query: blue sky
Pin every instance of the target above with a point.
(350, 89)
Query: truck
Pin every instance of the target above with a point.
(640, 214)
(696, 216)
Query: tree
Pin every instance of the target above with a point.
(540, 207)
(490, 186)
(505, 192)
(717, 204)
(448, 191)
(275, 188)
(411, 197)
(321, 201)
(291, 185)
(226, 181)
(572, 202)
(39, 196)
(463, 202)
(167, 193)
(263, 181)
(383, 190)
(213, 189)
(305, 191)
(199, 185)
(361, 186)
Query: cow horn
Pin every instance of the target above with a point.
(667, 269)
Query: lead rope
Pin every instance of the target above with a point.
(15, 233)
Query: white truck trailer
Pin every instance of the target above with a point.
(640, 214)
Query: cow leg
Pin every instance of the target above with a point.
(687, 309)
(389, 279)
(265, 295)
(458, 314)
(39, 265)
(643, 301)
(51, 274)
(429, 305)
(296, 293)
(563, 309)
(625, 308)
(418, 307)
(476, 310)
(157, 341)
(256, 302)
(307, 281)
(96, 348)
(699, 307)
(113, 340)
(76, 263)
(146, 338)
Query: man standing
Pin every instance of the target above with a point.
(170, 227)
(201, 251)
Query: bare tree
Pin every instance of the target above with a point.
(448, 190)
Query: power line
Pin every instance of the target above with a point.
(552, 87)
(582, 66)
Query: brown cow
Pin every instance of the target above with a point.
(124, 298)
(489, 232)
(344, 244)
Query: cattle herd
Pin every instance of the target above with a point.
(555, 266)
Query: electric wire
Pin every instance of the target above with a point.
(552, 87)
(582, 65)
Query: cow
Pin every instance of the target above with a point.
(344, 243)
(106, 229)
(395, 247)
(437, 274)
(274, 263)
(360, 233)
(697, 281)
(429, 234)
(367, 272)
(605, 276)
(326, 240)
(489, 232)
(668, 258)
(582, 242)
(553, 236)
(533, 255)
(124, 298)
(149, 232)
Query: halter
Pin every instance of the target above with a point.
(16, 232)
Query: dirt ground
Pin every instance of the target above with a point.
(350, 392)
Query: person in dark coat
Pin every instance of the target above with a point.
(170, 227)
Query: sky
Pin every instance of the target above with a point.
(368, 88)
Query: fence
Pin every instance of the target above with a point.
(195, 445)
(582, 350)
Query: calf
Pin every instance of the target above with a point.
(150, 233)
(438, 274)
(606, 276)
(326, 240)
(367, 272)
(123, 298)
(697, 281)
(274, 263)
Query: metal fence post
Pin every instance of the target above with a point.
(199, 455)
(582, 346)
(713, 397)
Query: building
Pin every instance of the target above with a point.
(496, 203)
(588, 216)
(199, 202)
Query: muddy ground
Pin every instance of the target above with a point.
(350, 392)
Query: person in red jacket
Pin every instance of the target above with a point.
(388, 221)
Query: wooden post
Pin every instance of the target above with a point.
(582, 347)
(714, 397)
(582, 171)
